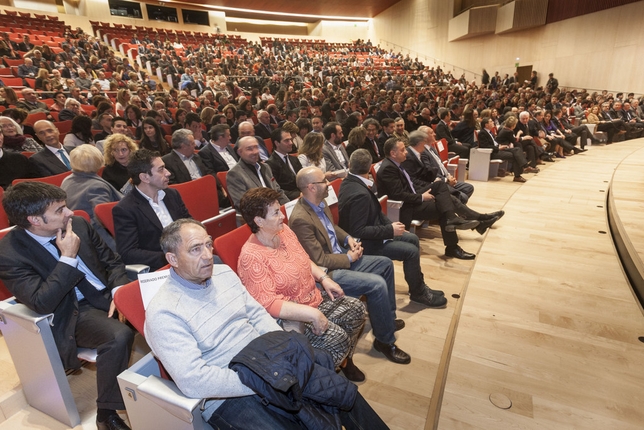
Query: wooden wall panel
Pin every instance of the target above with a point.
(559, 10)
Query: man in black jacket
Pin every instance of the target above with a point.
(361, 216)
(430, 203)
(55, 263)
(283, 165)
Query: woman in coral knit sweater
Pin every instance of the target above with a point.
(278, 273)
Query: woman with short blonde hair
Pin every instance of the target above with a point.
(85, 189)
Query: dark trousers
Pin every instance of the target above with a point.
(531, 152)
(610, 130)
(113, 342)
(516, 156)
(248, 413)
(463, 150)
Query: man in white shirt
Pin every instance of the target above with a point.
(140, 217)
(219, 155)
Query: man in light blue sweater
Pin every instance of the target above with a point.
(200, 319)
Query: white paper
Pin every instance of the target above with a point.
(332, 198)
(150, 283)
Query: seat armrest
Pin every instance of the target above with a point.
(133, 270)
(166, 394)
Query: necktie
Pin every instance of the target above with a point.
(411, 184)
(375, 147)
(65, 159)
(288, 163)
(89, 292)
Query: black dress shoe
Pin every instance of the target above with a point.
(484, 225)
(435, 292)
(457, 223)
(497, 214)
(113, 422)
(352, 373)
(457, 252)
(399, 324)
(392, 352)
(430, 300)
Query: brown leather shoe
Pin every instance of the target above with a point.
(519, 179)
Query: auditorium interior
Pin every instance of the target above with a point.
(544, 329)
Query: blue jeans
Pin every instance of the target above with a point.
(406, 248)
(373, 276)
(248, 413)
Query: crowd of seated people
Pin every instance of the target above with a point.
(270, 127)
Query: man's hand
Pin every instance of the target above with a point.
(427, 196)
(332, 288)
(354, 245)
(68, 242)
(320, 323)
(399, 228)
(355, 254)
(451, 180)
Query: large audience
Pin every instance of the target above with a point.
(282, 119)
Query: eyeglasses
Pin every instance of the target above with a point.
(326, 181)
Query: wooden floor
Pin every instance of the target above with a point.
(543, 318)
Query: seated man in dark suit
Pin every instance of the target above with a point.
(140, 217)
(31, 103)
(219, 155)
(503, 151)
(250, 173)
(184, 165)
(53, 159)
(182, 162)
(443, 132)
(430, 203)
(431, 166)
(263, 129)
(388, 126)
(283, 165)
(27, 70)
(420, 164)
(361, 216)
(56, 263)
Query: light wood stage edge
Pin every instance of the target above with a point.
(545, 319)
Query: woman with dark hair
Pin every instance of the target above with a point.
(133, 116)
(59, 102)
(246, 106)
(229, 110)
(179, 119)
(103, 107)
(279, 274)
(152, 137)
(8, 96)
(304, 127)
(80, 133)
(464, 130)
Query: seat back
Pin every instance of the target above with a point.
(200, 197)
(103, 212)
(228, 246)
(53, 180)
(441, 148)
(129, 302)
(83, 215)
